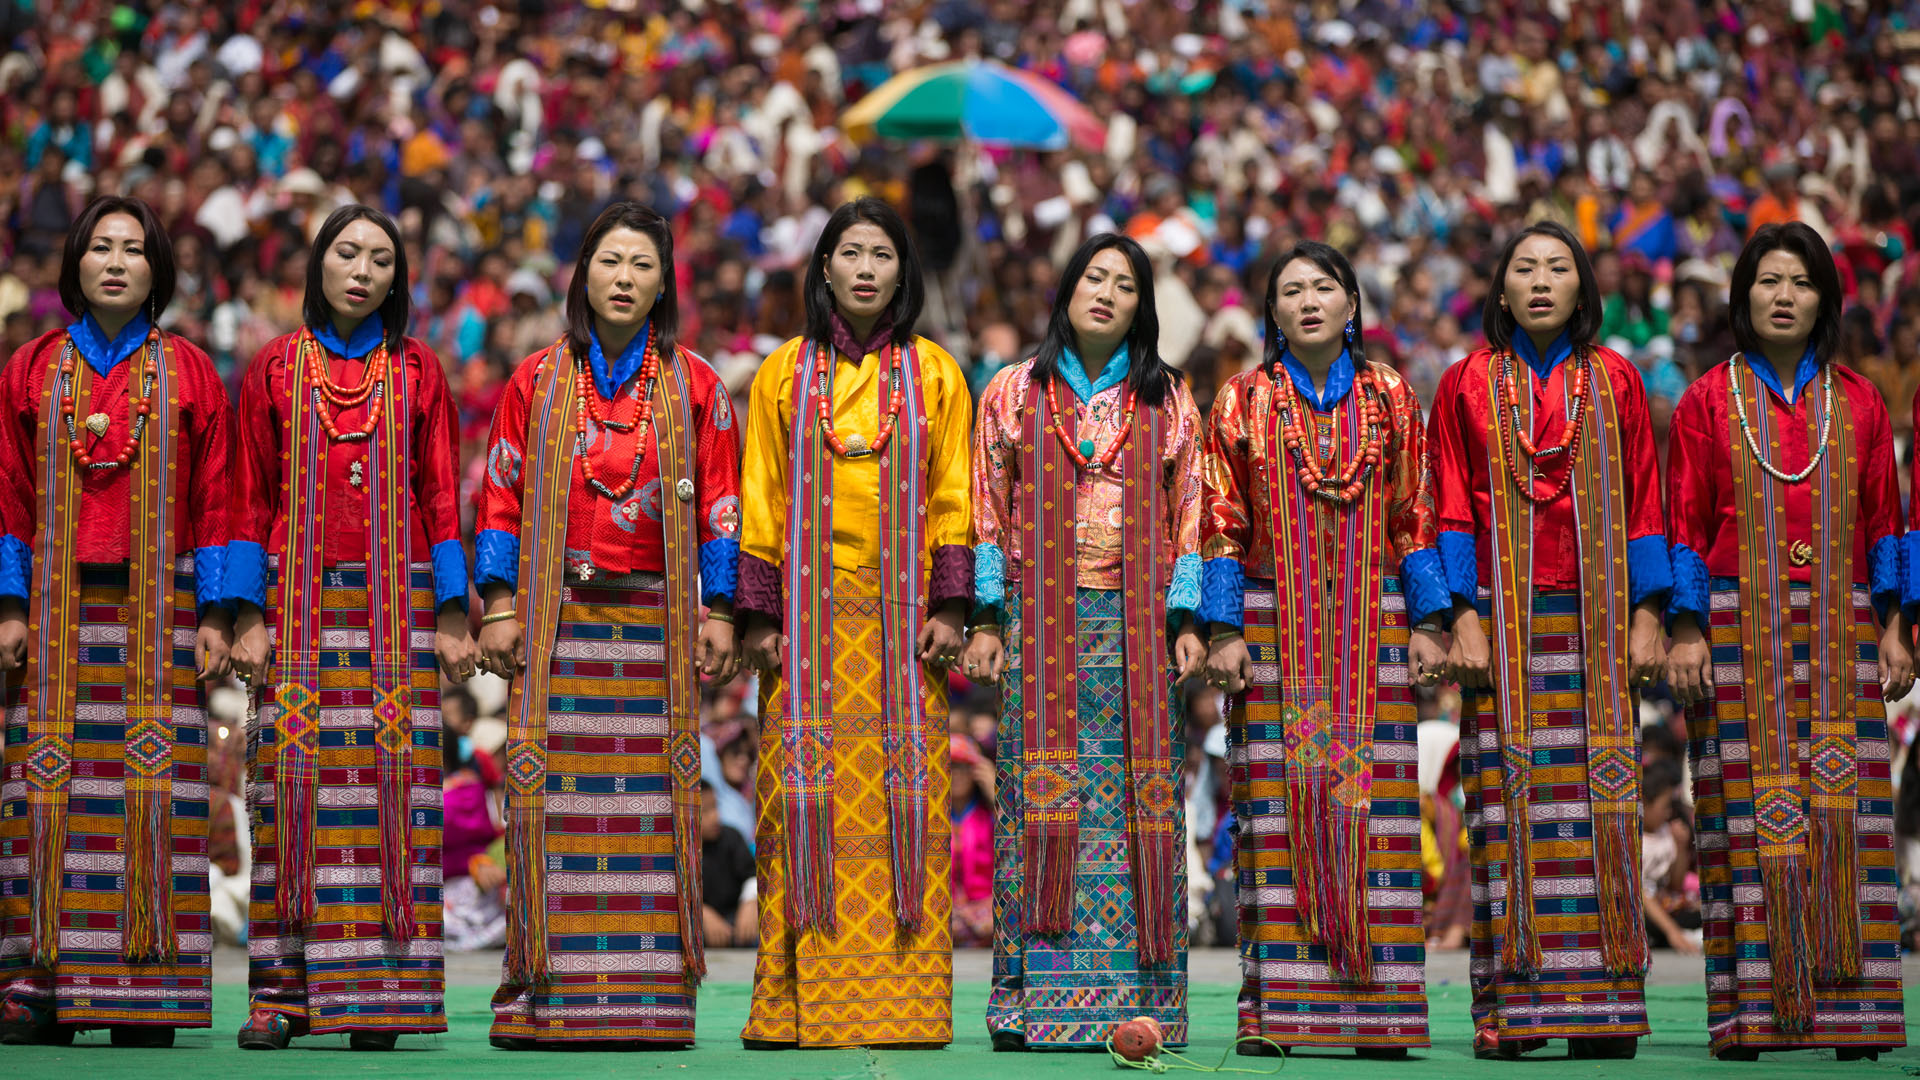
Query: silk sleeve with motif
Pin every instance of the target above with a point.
(996, 444)
(1649, 566)
(496, 524)
(1231, 477)
(1692, 500)
(17, 427)
(1186, 499)
(435, 430)
(1411, 514)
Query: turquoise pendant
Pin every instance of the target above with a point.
(1086, 449)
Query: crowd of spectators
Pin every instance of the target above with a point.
(1413, 134)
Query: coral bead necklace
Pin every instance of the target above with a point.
(586, 416)
(1347, 483)
(324, 391)
(97, 423)
(1513, 431)
(1083, 454)
(855, 446)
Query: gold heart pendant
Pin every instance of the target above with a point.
(97, 423)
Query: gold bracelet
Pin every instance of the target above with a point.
(720, 616)
(498, 616)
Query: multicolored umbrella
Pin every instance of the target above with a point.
(982, 100)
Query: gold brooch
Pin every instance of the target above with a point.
(1800, 553)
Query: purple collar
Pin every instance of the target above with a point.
(852, 347)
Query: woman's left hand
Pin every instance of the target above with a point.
(940, 639)
(1189, 655)
(718, 652)
(453, 644)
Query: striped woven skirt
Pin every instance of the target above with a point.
(613, 922)
(870, 984)
(1070, 990)
(1867, 1012)
(91, 984)
(1289, 992)
(1573, 997)
(339, 972)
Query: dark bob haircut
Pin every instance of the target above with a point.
(1799, 239)
(158, 249)
(1147, 375)
(905, 309)
(665, 315)
(1335, 266)
(1498, 323)
(395, 309)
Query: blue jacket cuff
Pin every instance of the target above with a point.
(1884, 576)
(1909, 574)
(449, 574)
(1223, 593)
(1423, 580)
(1649, 569)
(246, 574)
(1691, 586)
(1460, 559)
(16, 567)
(210, 580)
(989, 584)
(496, 558)
(719, 569)
(1183, 592)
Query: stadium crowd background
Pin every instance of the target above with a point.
(1414, 134)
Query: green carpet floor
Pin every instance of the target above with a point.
(1677, 1049)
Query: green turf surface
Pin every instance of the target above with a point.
(1677, 1049)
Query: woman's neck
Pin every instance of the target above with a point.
(613, 339)
(345, 325)
(1093, 357)
(861, 325)
(1318, 360)
(1784, 356)
(1543, 339)
(112, 322)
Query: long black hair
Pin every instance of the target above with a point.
(1800, 239)
(1334, 265)
(1499, 324)
(907, 298)
(394, 309)
(1147, 375)
(158, 250)
(666, 308)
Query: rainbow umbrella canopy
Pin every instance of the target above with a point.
(982, 100)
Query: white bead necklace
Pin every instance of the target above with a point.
(1753, 445)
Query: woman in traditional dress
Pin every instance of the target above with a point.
(610, 513)
(350, 579)
(855, 579)
(1097, 497)
(113, 450)
(1786, 531)
(1319, 539)
(1551, 537)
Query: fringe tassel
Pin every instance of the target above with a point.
(909, 861)
(686, 840)
(1623, 931)
(810, 863)
(49, 825)
(1329, 869)
(1153, 889)
(1050, 870)
(1836, 897)
(1351, 947)
(396, 841)
(149, 894)
(1520, 948)
(1783, 883)
(527, 892)
(293, 808)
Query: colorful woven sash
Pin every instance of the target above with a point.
(807, 738)
(52, 686)
(1812, 933)
(299, 656)
(1613, 770)
(1328, 630)
(1049, 678)
(543, 536)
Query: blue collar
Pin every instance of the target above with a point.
(1803, 374)
(1075, 372)
(366, 337)
(1339, 380)
(1528, 352)
(90, 341)
(608, 379)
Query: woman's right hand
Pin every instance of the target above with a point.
(251, 649)
(1229, 664)
(985, 659)
(1470, 661)
(764, 648)
(502, 648)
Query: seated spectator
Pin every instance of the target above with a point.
(971, 803)
(1668, 878)
(729, 890)
(475, 864)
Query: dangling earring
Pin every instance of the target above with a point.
(1349, 329)
(1280, 339)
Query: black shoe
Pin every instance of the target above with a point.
(1857, 1053)
(1259, 1049)
(511, 1042)
(371, 1040)
(141, 1037)
(1614, 1048)
(1381, 1053)
(768, 1044)
(1737, 1053)
(1507, 1049)
(1008, 1041)
(266, 1030)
